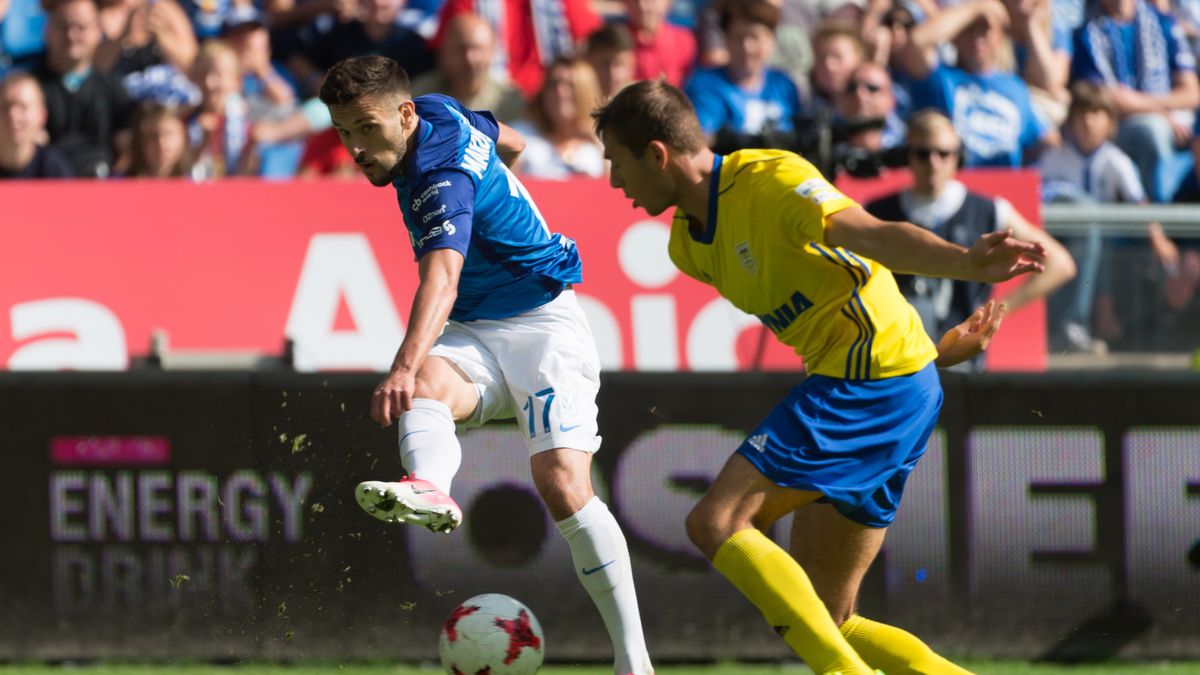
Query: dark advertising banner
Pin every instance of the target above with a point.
(161, 515)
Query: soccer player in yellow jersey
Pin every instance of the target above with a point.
(779, 241)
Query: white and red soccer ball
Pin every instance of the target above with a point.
(491, 634)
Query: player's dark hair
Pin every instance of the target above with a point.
(611, 36)
(753, 11)
(365, 76)
(650, 110)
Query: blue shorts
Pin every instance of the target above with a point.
(854, 441)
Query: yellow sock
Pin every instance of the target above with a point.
(775, 583)
(895, 651)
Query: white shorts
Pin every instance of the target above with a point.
(540, 367)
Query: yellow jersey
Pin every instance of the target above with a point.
(763, 248)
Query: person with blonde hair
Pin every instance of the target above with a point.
(560, 140)
(220, 128)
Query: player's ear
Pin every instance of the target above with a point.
(408, 112)
(658, 151)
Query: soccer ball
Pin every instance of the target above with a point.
(491, 634)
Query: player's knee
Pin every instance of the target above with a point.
(564, 487)
(703, 530)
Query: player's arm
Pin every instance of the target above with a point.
(509, 144)
(909, 249)
(1060, 266)
(447, 207)
(438, 288)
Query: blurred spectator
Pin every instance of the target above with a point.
(890, 41)
(160, 143)
(1089, 169)
(22, 33)
(88, 112)
(661, 49)
(149, 46)
(745, 97)
(263, 82)
(560, 143)
(23, 132)
(464, 71)
(610, 50)
(1141, 55)
(943, 205)
(219, 131)
(1043, 57)
(372, 29)
(991, 108)
(141, 34)
(867, 110)
(837, 51)
(534, 33)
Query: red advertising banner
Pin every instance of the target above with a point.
(93, 270)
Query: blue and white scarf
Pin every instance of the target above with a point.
(1153, 72)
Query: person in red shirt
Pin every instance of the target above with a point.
(662, 49)
(534, 33)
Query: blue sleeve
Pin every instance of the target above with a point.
(1083, 65)
(1032, 125)
(443, 206)
(1179, 54)
(931, 91)
(707, 102)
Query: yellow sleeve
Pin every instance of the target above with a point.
(808, 199)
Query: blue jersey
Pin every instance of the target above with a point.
(992, 113)
(721, 104)
(456, 193)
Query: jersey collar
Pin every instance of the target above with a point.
(714, 191)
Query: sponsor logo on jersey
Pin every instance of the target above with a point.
(433, 214)
(817, 190)
(758, 442)
(784, 315)
(748, 262)
(446, 228)
(431, 191)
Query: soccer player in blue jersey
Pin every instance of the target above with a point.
(779, 241)
(495, 329)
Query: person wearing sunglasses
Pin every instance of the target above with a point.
(867, 106)
(940, 203)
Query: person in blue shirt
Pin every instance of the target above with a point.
(991, 109)
(495, 330)
(1141, 55)
(746, 96)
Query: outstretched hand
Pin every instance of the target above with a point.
(999, 256)
(971, 337)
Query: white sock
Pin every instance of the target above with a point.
(429, 449)
(602, 564)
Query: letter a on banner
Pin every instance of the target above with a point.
(99, 342)
(341, 267)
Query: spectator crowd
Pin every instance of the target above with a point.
(1100, 96)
